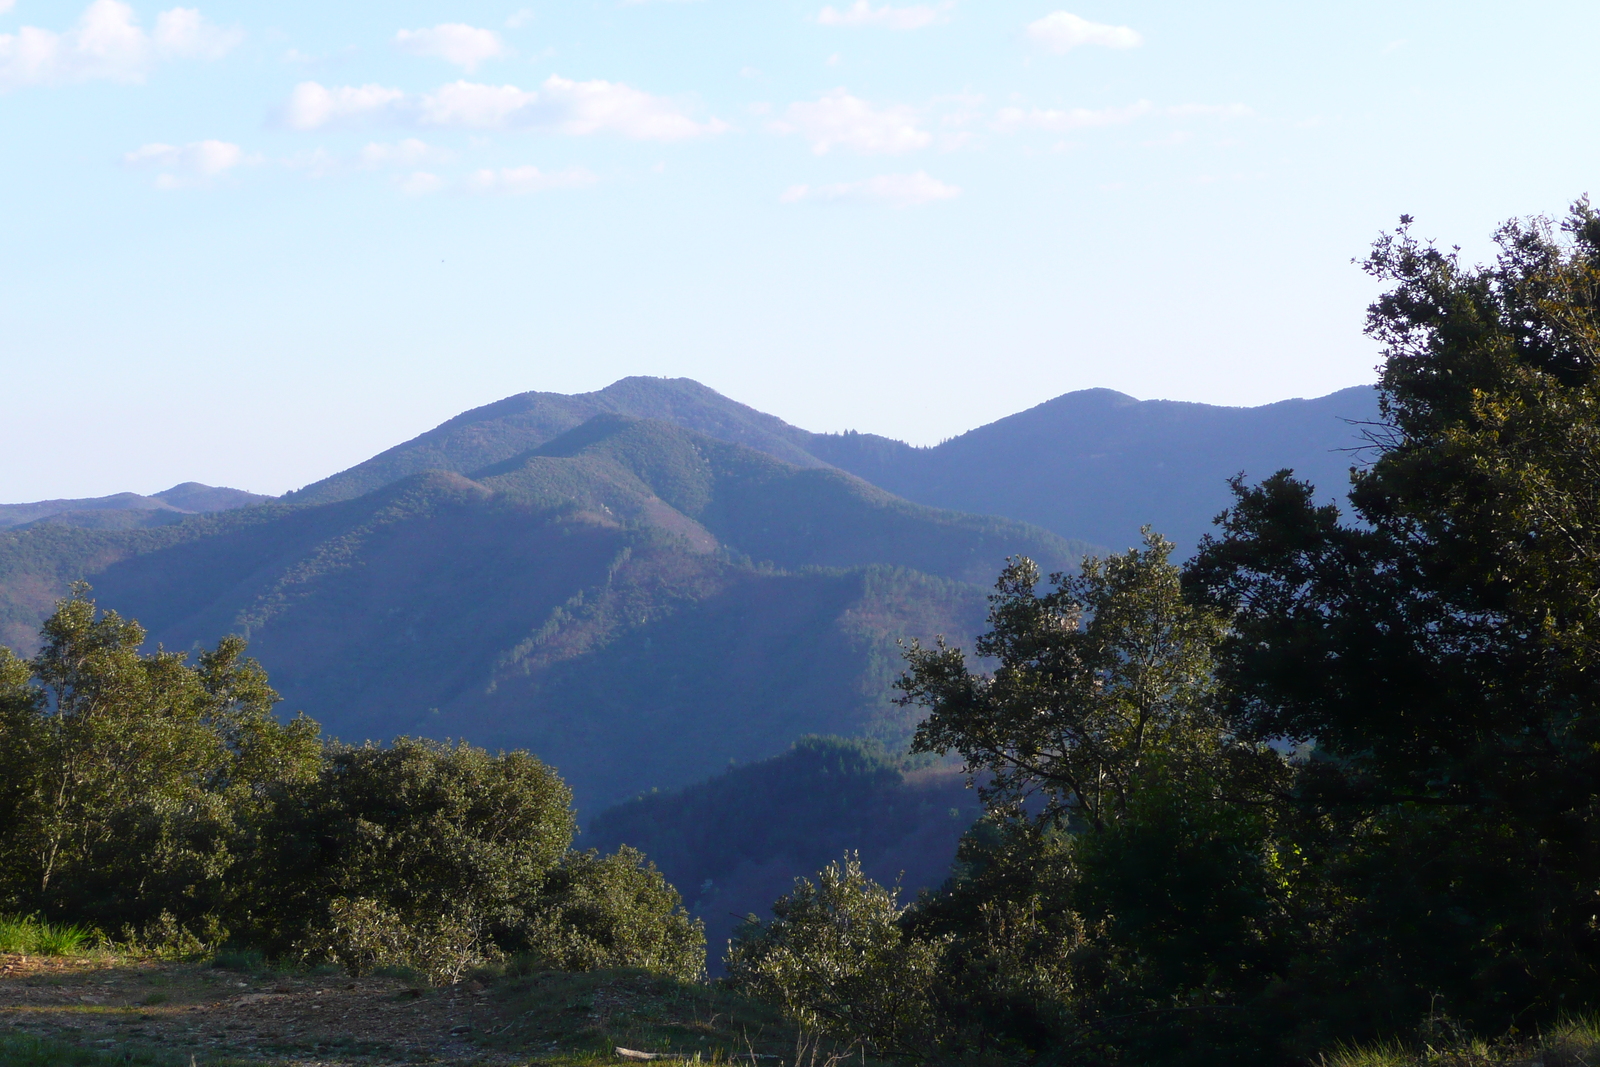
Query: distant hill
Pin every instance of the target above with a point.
(1100, 464)
(1092, 465)
(124, 511)
(734, 843)
(635, 602)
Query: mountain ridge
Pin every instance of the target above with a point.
(1093, 464)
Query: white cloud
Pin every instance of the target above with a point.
(312, 105)
(518, 180)
(183, 33)
(1062, 31)
(408, 153)
(1218, 111)
(596, 106)
(559, 104)
(1012, 119)
(190, 164)
(1009, 119)
(107, 42)
(454, 42)
(845, 121)
(421, 183)
(7, 5)
(520, 18)
(894, 190)
(480, 107)
(862, 13)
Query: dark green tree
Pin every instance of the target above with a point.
(127, 774)
(1098, 684)
(419, 853)
(1440, 653)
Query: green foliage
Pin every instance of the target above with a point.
(1101, 684)
(165, 802)
(1440, 651)
(32, 937)
(419, 854)
(125, 773)
(615, 911)
(835, 957)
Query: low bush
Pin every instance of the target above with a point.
(31, 937)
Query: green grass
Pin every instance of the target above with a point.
(26, 1051)
(31, 937)
(567, 1019)
(1573, 1042)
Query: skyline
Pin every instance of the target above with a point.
(252, 246)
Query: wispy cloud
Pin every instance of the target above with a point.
(1012, 119)
(892, 190)
(312, 105)
(454, 42)
(862, 13)
(108, 43)
(839, 120)
(408, 153)
(559, 105)
(523, 180)
(1062, 31)
(192, 164)
(1008, 119)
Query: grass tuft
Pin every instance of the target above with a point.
(32, 937)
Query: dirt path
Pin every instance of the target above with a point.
(224, 1015)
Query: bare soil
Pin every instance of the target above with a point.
(214, 1015)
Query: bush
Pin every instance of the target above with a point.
(835, 957)
(615, 911)
(421, 854)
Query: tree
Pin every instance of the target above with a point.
(1441, 652)
(126, 772)
(1098, 683)
(446, 843)
(834, 955)
(615, 911)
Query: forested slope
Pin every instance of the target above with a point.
(636, 602)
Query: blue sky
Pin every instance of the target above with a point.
(251, 244)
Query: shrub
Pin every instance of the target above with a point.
(420, 854)
(835, 957)
(615, 911)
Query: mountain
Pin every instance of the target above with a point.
(129, 510)
(1100, 464)
(496, 432)
(636, 602)
(644, 582)
(734, 843)
(1094, 465)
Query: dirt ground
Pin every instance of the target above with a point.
(225, 1016)
(168, 1012)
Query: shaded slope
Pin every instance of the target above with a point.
(635, 602)
(1098, 464)
(767, 510)
(734, 843)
